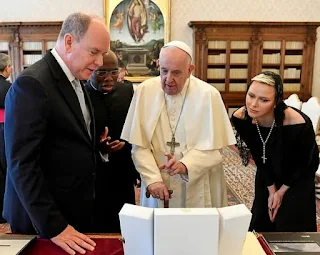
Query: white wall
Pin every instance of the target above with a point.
(182, 11)
(46, 10)
(246, 10)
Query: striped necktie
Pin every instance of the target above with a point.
(85, 112)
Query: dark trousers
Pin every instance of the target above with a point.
(113, 190)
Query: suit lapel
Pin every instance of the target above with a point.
(71, 98)
(68, 92)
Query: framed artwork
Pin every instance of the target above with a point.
(138, 30)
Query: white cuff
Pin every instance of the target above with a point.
(104, 157)
(184, 177)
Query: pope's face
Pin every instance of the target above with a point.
(175, 69)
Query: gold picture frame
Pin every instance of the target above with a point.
(138, 29)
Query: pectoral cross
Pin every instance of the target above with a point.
(172, 145)
(264, 159)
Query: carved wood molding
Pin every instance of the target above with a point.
(256, 34)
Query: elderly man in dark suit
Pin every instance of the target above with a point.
(50, 139)
(5, 71)
(115, 178)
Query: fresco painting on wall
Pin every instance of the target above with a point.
(138, 30)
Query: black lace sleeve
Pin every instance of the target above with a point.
(242, 147)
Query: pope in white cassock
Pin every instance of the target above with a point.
(177, 124)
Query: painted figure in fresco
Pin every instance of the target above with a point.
(137, 20)
(118, 24)
(152, 60)
(122, 66)
(155, 18)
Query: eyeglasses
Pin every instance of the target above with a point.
(102, 73)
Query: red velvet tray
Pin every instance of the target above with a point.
(105, 246)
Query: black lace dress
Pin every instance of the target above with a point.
(292, 159)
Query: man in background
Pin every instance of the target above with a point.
(50, 140)
(116, 178)
(5, 71)
(177, 124)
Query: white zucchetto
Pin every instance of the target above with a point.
(181, 45)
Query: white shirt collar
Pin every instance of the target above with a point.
(92, 86)
(64, 67)
(105, 93)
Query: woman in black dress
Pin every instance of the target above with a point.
(282, 143)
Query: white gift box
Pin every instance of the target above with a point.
(186, 231)
(136, 224)
(234, 224)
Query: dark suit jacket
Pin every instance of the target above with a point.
(110, 111)
(116, 178)
(4, 87)
(50, 155)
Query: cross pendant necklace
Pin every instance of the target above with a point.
(173, 144)
(264, 156)
(264, 142)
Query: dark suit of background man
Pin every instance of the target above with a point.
(115, 178)
(5, 71)
(50, 139)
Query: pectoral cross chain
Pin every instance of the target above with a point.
(172, 145)
(264, 159)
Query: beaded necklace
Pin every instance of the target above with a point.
(264, 142)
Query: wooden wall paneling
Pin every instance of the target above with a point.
(285, 47)
(19, 33)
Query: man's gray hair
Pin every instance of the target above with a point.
(4, 61)
(77, 24)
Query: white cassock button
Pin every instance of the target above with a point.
(173, 119)
(173, 111)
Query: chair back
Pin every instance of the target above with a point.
(312, 109)
(293, 101)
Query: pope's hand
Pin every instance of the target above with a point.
(73, 241)
(159, 190)
(172, 166)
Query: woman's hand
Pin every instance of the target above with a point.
(270, 204)
(272, 190)
(276, 202)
